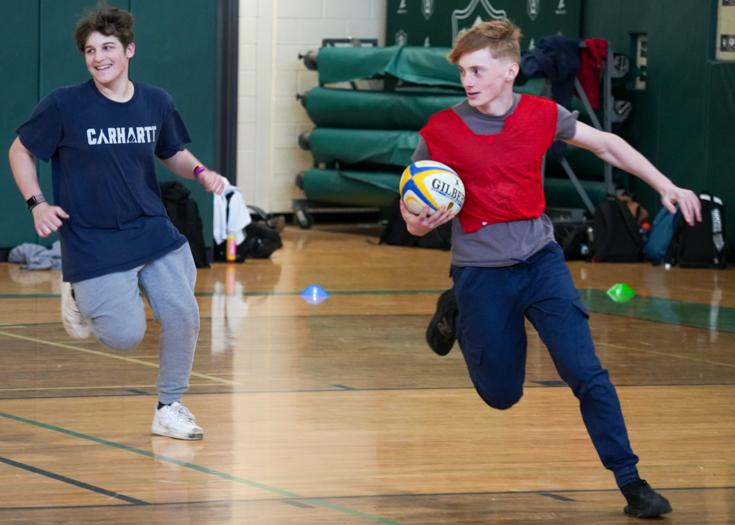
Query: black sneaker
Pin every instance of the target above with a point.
(442, 331)
(643, 501)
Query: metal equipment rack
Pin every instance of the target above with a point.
(614, 66)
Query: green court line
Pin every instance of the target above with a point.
(29, 295)
(661, 310)
(256, 294)
(204, 470)
(655, 309)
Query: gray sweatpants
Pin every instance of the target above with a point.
(116, 313)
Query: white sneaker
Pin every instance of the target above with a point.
(175, 421)
(74, 323)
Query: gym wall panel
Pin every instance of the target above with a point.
(720, 155)
(176, 49)
(61, 63)
(19, 62)
(439, 23)
(680, 65)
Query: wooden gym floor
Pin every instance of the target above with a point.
(338, 413)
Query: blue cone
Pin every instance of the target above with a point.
(314, 294)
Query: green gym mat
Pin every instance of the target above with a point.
(345, 108)
(405, 110)
(352, 188)
(353, 146)
(419, 65)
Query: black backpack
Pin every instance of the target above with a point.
(574, 239)
(396, 232)
(184, 214)
(261, 239)
(616, 234)
(702, 245)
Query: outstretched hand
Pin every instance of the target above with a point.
(423, 223)
(212, 181)
(688, 202)
(47, 218)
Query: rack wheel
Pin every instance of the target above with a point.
(303, 219)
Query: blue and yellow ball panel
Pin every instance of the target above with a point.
(432, 184)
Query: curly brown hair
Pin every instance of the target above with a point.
(501, 37)
(109, 21)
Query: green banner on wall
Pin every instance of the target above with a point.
(439, 22)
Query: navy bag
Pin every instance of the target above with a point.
(661, 234)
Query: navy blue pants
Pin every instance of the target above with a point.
(493, 304)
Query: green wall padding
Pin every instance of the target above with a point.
(19, 45)
(374, 190)
(344, 108)
(187, 37)
(352, 146)
(420, 65)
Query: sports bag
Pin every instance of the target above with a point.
(574, 239)
(184, 214)
(396, 232)
(702, 245)
(662, 232)
(261, 238)
(616, 234)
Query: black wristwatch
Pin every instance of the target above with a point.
(35, 201)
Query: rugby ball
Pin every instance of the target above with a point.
(432, 184)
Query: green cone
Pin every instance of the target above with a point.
(620, 293)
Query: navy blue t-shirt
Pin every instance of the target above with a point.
(103, 155)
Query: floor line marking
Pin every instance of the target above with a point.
(296, 503)
(375, 496)
(331, 391)
(555, 496)
(73, 482)
(112, 356)
(291, 495)
(676, 356)
(43, 388)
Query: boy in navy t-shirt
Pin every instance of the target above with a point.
(506, 266)
(102, 138)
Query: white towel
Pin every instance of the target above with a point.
(239, 216)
